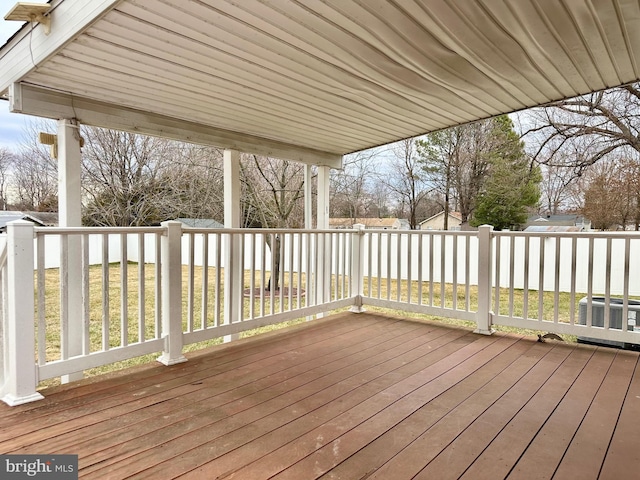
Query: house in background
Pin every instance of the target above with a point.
(436, 222)
(561, 223)
(374, 223)
(41, 219)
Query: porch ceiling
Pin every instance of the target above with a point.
(313, 80)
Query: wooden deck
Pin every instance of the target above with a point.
(351, 396)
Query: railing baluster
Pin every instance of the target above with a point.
(106, 342)
(431, 249)
(443, 269)
(42, 319)
(525, 286)
(142, 321)
(64, 297)
(541, 281)
(420, 250)
(512, 261)
(498, 265)
(124, 292)
(467, 275)
(625, 287)
(191, 275)
(252, 277)
(454, 279)
(218, 286)
(607, 287)
(204, 314)
(556, 297)
(590, 285)
(86, 300)
(572, 294)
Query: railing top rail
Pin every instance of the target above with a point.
(461, 233)
(626, 234)
(265, 230)
(95, 230)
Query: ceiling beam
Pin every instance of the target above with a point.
(45, 103)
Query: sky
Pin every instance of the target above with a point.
(11, 124)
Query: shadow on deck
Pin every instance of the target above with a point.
(351, 396)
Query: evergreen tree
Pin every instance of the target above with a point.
(513, 182)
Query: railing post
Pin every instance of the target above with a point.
(171, 245)
(485, 260)
(21, 379)
(357, 267)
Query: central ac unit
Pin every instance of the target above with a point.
(598, 306)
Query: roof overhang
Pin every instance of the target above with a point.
(309, 80)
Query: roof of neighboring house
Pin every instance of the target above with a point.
(455, 215)
(42, 219)
(570, 219)
(367, 222)
(552, 228)
(200, 223)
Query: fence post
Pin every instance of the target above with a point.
(21, 379)
(172, 293)
(357, 267)
(485, 261)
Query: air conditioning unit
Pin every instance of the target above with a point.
(598, 306)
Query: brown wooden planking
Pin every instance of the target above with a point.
(545, 452)
(416, 439)
(623, 456)
(188, 374)
(74, 392)
(201, 441)
(206, 405)
(502, 453)
(380, 378)
(459, 454)
(439, 425)
(585, 455)
(345, 444)
(69, 396)
(195, 390)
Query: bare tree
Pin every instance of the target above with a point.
(125, 178)
(7, 160)
(35, 172)
(406, 179)
(611, 192)
(590, 128)
(351, 186)
(273, 198)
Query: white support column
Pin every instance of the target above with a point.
(308, 198)
(323, 197)
(233, 264)
(308, 225)
(20, 373)
(357, 267)
(485, 280)
(171, 274)
(70, 215)
(324, 242)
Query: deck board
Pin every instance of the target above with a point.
(351, 396)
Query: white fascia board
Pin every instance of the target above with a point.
(31, 47)
(46, 103)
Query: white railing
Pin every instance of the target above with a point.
(109, 294)
(429, 272)
(569, 283)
